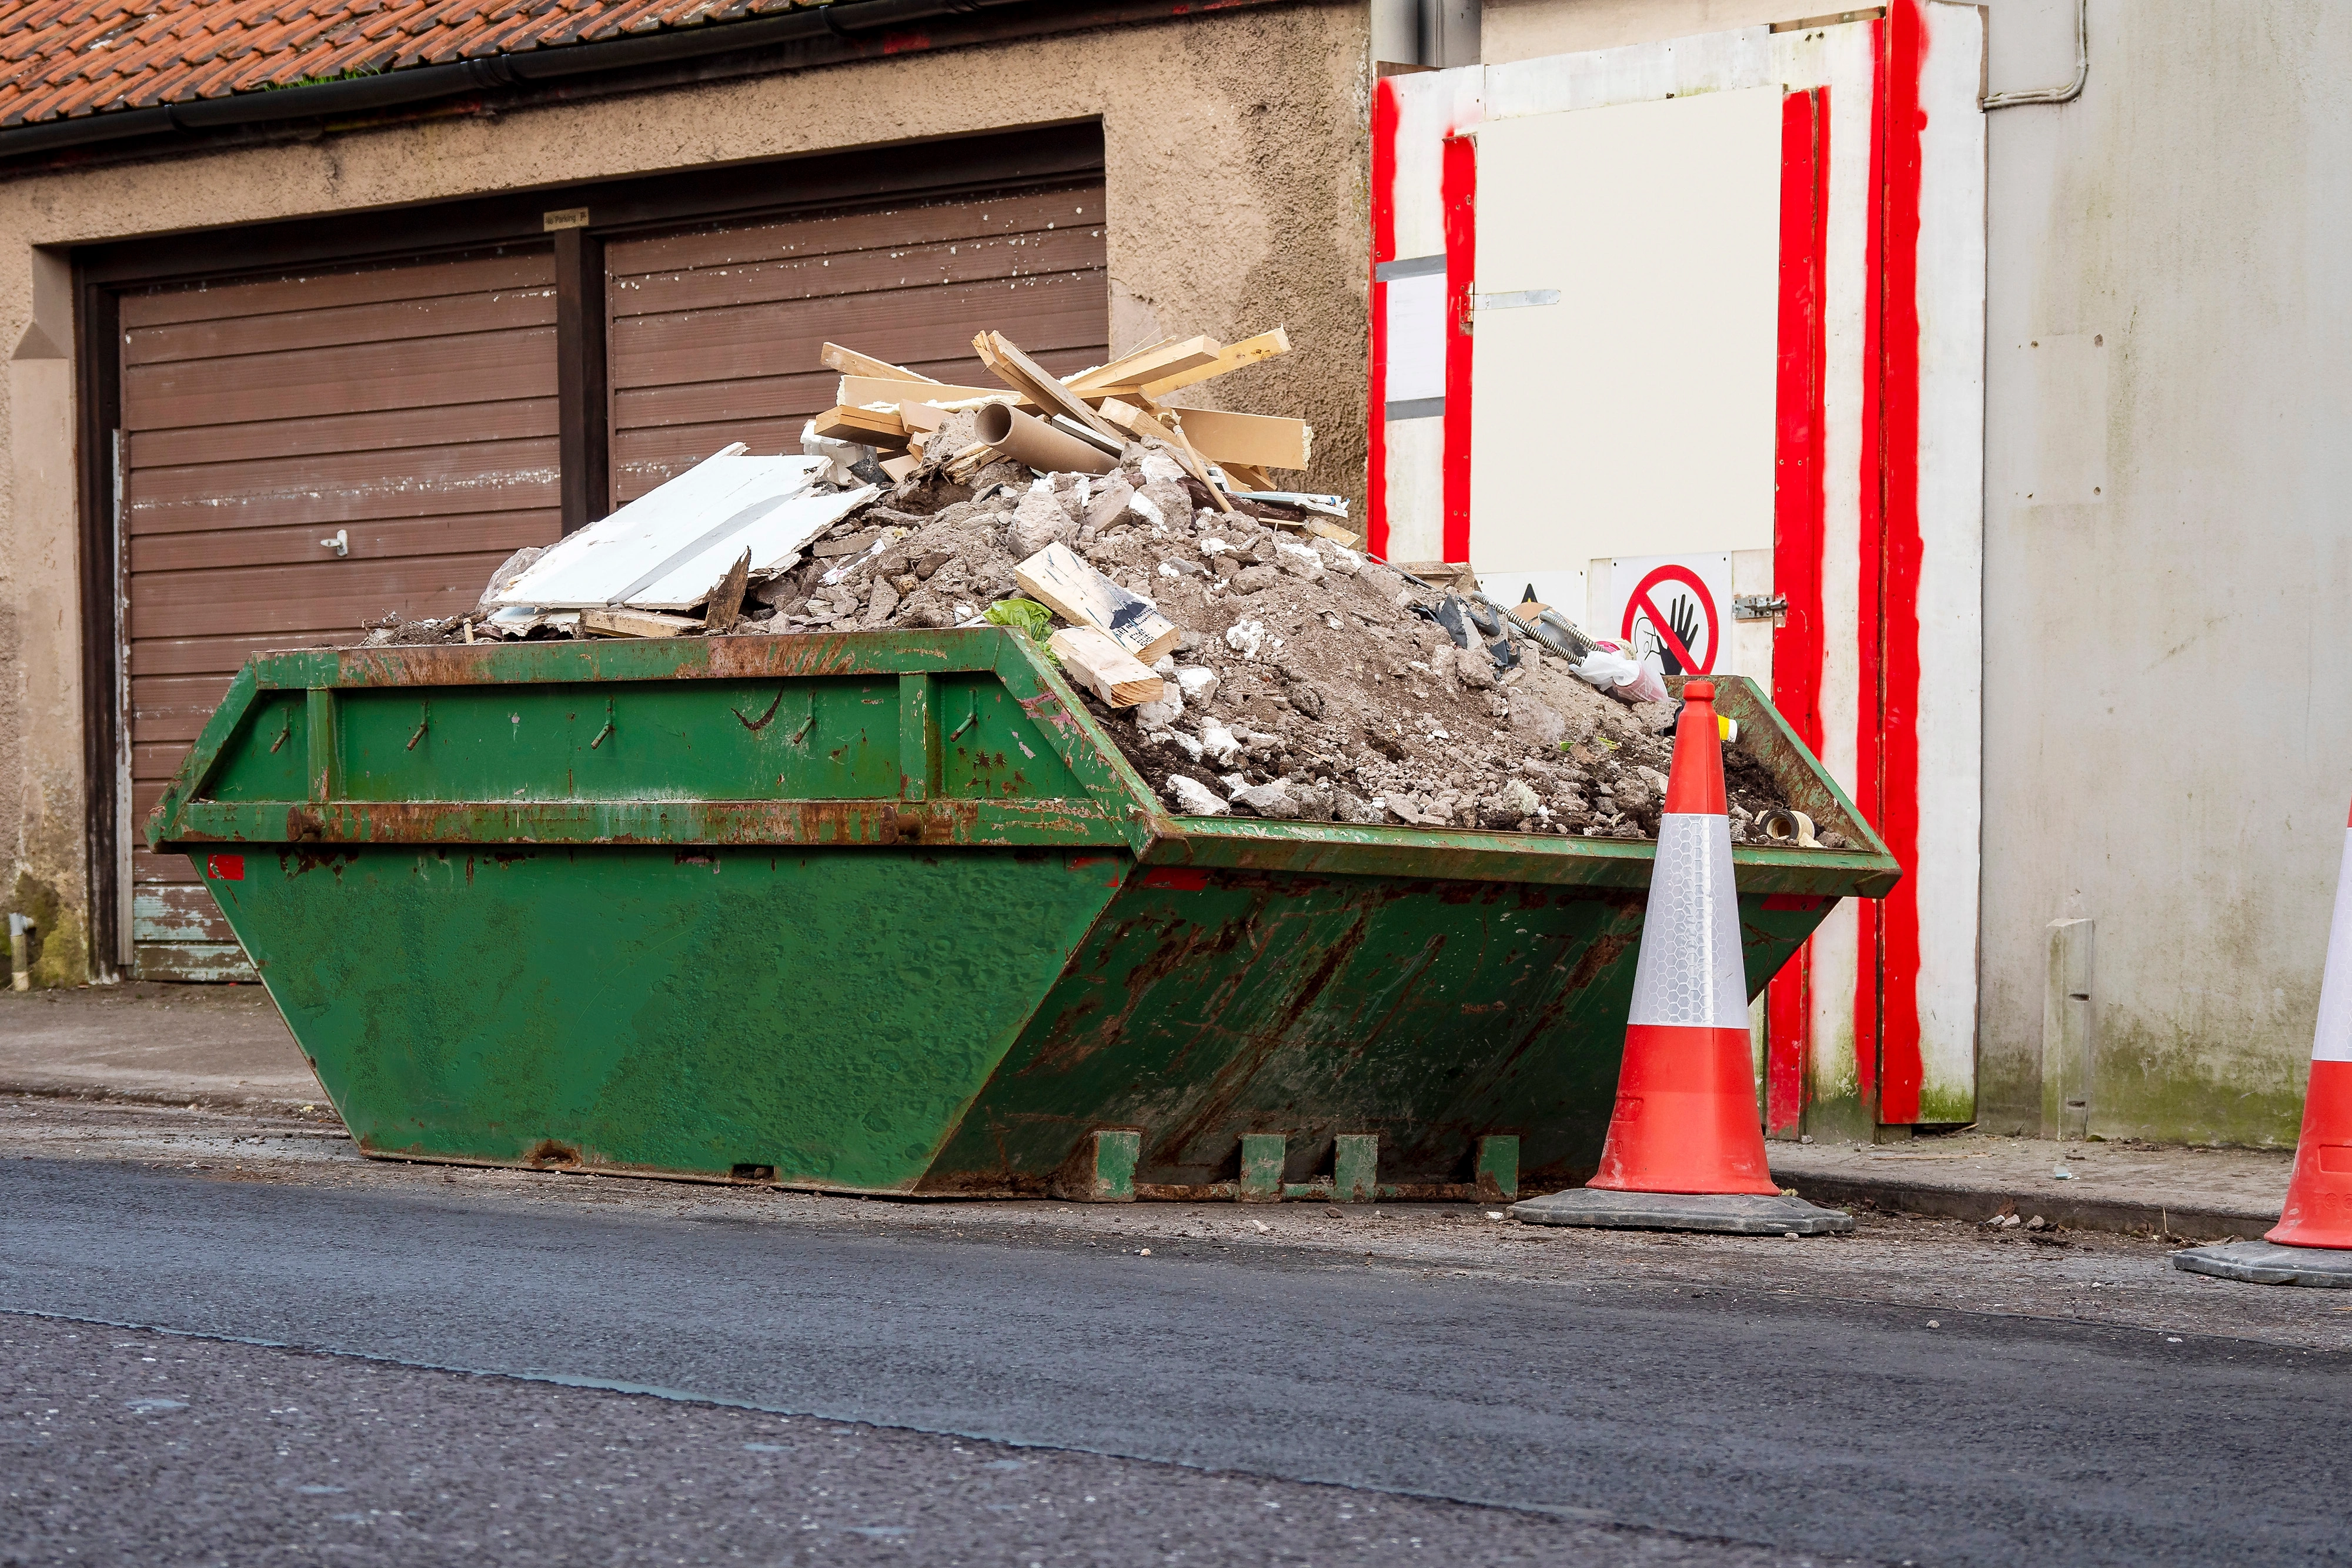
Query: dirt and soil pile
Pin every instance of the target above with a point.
(1310, 684)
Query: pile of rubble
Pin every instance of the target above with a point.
(1242, 652)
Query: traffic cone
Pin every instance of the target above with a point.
(2312, 1242)
(1685, 1143)
(1685, 1117)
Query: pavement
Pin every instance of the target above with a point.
(164, 1044)
(354, 1359)
(2154, 1188)
(225, 1046)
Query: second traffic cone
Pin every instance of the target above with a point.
(2312, 1242)
(1686, 1145)
(2318, 1211)
(1686, 1116)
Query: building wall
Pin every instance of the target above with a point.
(2168, 744)
(1235, 151)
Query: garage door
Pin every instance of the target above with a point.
(714, 332)
(404, 415)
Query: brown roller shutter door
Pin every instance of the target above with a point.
(413, 408)
(410, 408)
(715, 331)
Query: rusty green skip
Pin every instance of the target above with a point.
(888, 913)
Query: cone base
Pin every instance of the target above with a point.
(1729, 1214)
(2268, 1263)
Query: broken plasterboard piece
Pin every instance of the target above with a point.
(624, 622)
(1104, 668)
(1055, 578)
(669, 547)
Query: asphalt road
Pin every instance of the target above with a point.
(1711, 1426)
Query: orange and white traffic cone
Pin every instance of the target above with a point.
(2312, 1242)
(1686, 1145)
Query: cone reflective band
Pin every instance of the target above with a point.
(2318, 1208)
(1685, 1118)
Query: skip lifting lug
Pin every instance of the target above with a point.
(1760, 607)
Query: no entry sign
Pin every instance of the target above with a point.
(1677, 608)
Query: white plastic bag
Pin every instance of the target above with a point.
(1611, 667)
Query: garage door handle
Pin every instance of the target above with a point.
(340, 544)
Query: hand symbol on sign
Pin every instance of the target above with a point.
(1683, 616)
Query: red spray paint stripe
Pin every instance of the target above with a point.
(1900, 1070)
(1797, 531)
(1376, 460)
(1871, 545)
(1458, 192)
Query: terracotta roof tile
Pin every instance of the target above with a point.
(67, 58)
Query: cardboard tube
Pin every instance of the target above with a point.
(1039, 444)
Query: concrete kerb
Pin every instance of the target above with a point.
(2121, 1216)
(1728, 1214)
(2268, 1263)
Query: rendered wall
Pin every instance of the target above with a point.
(1234, 145)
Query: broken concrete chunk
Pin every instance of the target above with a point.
(1163, 713)
(1219, 744)
(1038, 520)
(1273, 800)
(1198, 682)
(1194, 799)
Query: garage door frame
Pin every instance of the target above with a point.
(961, 167)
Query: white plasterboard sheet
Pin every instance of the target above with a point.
(667, 548)
(1636, 416)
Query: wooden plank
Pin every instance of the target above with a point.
(859, 391)
(389, 321)
(1247, 478)
(1077, 208)
(192, 962)
(848, 361)
(1129, 372)
(1097, 663)
(1058, 579)
(623, 623)
(1248, 352)
(1257, 439)
(1018, 370)
(516, 268)
(325, 491)
(870, 426)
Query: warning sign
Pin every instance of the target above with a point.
(1676, 608)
